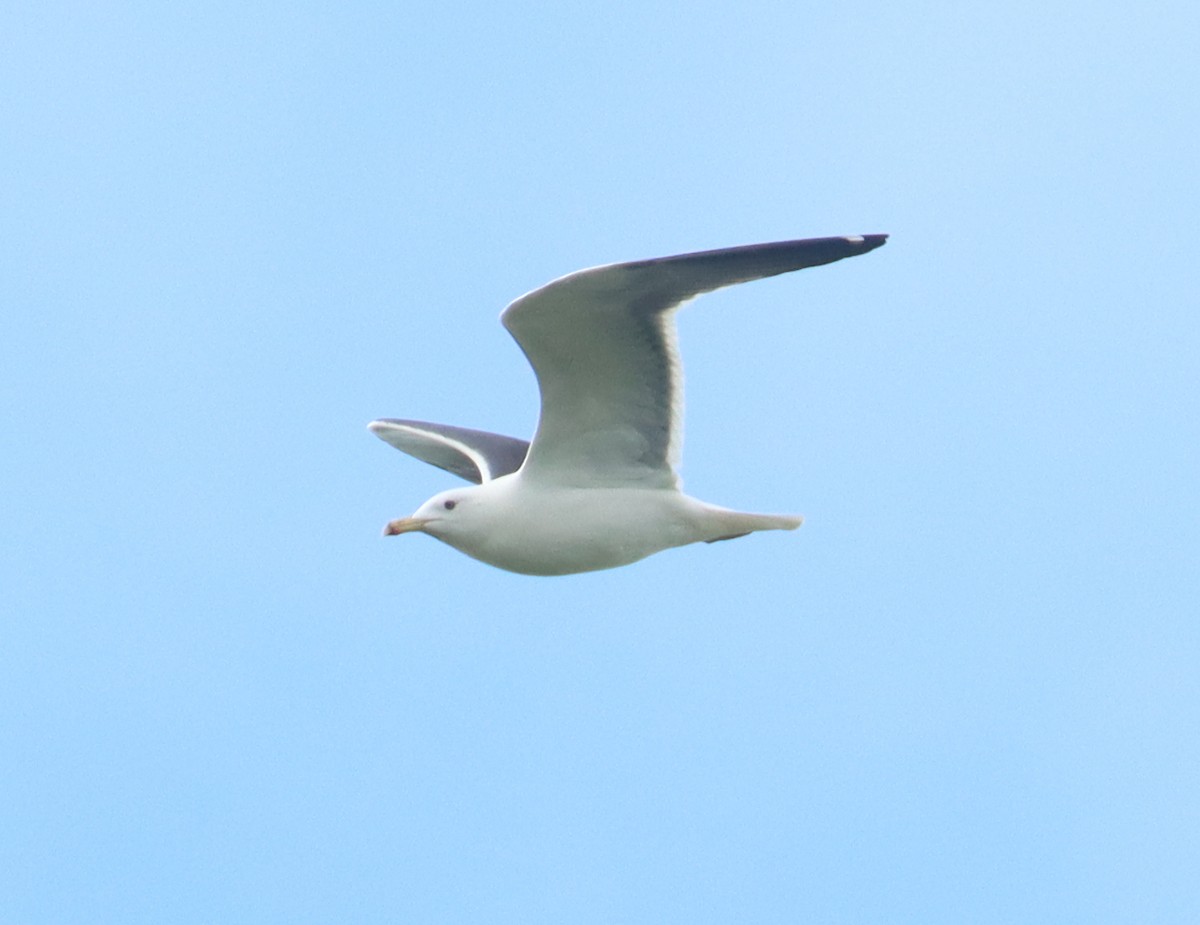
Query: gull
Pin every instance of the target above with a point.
(599, 485)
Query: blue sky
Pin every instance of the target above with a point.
(965, 691)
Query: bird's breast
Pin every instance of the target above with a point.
(561, 531)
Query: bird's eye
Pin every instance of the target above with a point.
(449, 505)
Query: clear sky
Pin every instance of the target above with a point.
(967, 690)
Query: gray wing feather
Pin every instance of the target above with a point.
(602, 344)
(474, 455)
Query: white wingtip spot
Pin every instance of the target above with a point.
(853, 238)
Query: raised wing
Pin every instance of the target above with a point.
(602, 343)
(474, 455)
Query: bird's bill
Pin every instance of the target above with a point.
(404, 525)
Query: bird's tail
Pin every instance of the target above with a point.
(729, 525)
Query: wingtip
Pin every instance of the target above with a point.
(382, 428)
(867, 242)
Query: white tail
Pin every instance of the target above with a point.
(729, 525)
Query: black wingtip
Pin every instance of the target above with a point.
(871, 241)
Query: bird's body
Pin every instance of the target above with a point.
(560, 530)
(598, 487)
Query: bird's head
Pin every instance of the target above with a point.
(446, 515)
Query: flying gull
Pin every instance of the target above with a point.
(599, 485)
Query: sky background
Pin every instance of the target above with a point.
(967, 690)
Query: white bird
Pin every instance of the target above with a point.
(599, 486)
